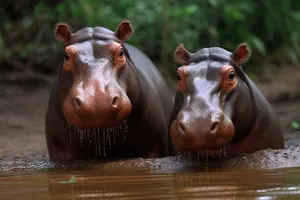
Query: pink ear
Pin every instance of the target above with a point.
(62, 32)
(241, 54)
(124, 30)
(181, 55)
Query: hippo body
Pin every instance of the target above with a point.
(218, 109)
(112, 110)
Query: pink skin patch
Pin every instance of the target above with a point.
(119, 58)
(227, 84)
(183, 72)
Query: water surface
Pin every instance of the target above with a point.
(263, 175)
(101, 184)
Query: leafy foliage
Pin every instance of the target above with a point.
(27, 41)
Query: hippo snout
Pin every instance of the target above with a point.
(92, 108)
(211, 127)
(210, 130)
(83, 104)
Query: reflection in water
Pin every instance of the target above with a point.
(100, 182)
(261, 175)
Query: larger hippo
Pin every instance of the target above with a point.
(218, 110)
(108, 100)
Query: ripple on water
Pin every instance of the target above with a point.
(261, 174)
(98, 183)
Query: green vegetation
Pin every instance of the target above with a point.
(71, 180)
(270, 27)
(295, 125)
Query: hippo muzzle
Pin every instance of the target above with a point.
(95, 103)
(204, 128)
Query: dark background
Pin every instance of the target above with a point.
(270, 27)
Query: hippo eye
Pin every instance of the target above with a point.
(121, 53)
(231, 75)
(66, 56)
(178, 76)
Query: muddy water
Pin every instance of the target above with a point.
(266, 174)
(99, 183)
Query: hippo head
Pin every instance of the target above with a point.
(93, 83)
(202, 117)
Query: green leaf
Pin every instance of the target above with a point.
(296, 15)
(71, 180)
(258, 44)
(295, 125)
(191, 9)
(213, 3)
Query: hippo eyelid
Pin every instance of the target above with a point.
(183, 72)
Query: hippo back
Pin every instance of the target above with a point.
(148, 73)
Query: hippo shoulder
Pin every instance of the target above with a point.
(150, 76)
(139, 58)
(145, 67)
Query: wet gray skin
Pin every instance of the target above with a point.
(104, 102)
(218, 110)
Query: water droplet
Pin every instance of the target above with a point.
(95, 142)
(108, 137)
(224, 152)
(104, 148)
(124, 135)
(220, 154)
(81, 138)
(206, 156)
(99, 142)
(114, 136)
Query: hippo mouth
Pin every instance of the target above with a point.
(100, 138)
(207, 140)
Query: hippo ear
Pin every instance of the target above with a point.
(62, 32)
(182, 56)
(241, 54)
(124, 30)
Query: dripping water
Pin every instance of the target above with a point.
(198, 154)
(81, 138)
(99, 143)
(206, 157)
(95, 142)
(93, 136)
(114, 136)
(89, 138)
(104, 152)
(108, 137)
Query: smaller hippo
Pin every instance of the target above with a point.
(108, 100)
(218, 110)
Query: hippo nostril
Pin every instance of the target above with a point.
(181, 127)
(214, 127)
(77, 102)
(115, 101)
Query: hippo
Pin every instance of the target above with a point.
(108, 99)
(218, 109)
